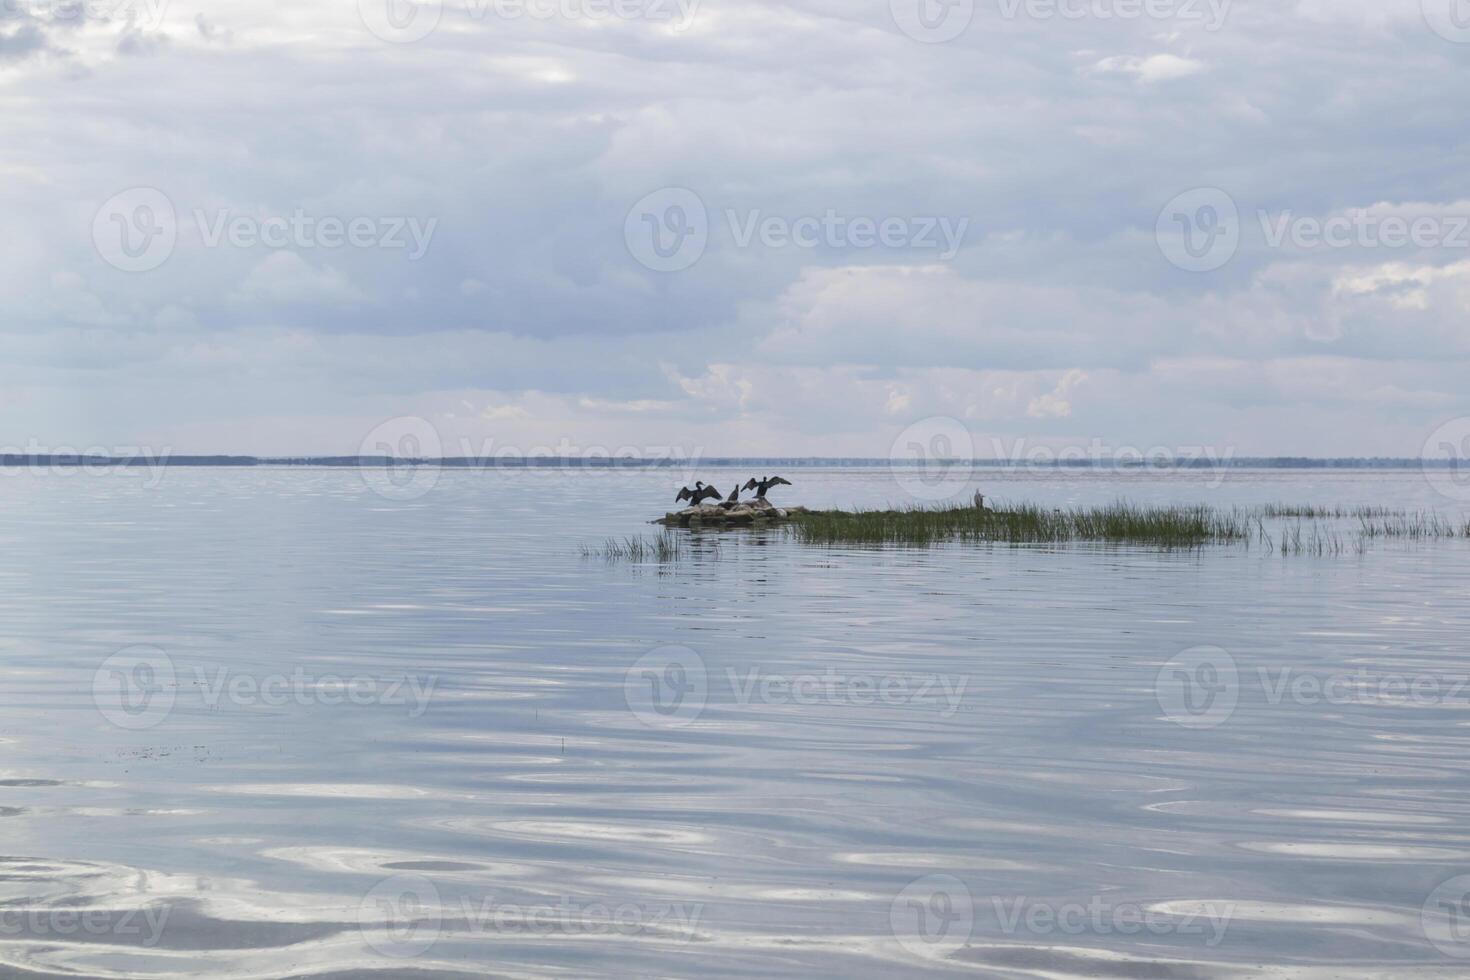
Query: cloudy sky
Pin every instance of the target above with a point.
(736, 226)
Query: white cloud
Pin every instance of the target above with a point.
(1054, 404)
(529, 140)
(285, 277)
(1153, 68)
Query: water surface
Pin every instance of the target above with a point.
(270, 722)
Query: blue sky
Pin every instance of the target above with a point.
(735, 227)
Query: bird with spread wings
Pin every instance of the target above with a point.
(698, 495)
(763, 484)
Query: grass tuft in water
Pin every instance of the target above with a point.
(1418, 526)
(662, 548)
(1295, 530)
(1119, 522)
(1319, 512)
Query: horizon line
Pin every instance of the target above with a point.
(1129, 461)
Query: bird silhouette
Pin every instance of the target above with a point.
(764, 484)
(698, 495)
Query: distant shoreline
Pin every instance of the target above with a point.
(560, 462)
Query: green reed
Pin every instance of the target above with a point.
(1119, 522)
(661, 548)
(1309, 530)
(1417, 526)
(1320, 512)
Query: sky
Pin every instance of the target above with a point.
(735, 227)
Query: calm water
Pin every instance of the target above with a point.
(268, 723)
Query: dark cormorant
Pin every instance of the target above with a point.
(763, 484)
(698, 495)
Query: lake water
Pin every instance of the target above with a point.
(271, 722)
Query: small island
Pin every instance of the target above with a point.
(1292, 529)
(746, 513)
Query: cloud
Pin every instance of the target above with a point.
(529, 140)
(1054, 404)
(1154, 68)
(286, 278)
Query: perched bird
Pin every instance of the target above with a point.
(698, 495)
(763, 484)
(733, 499)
